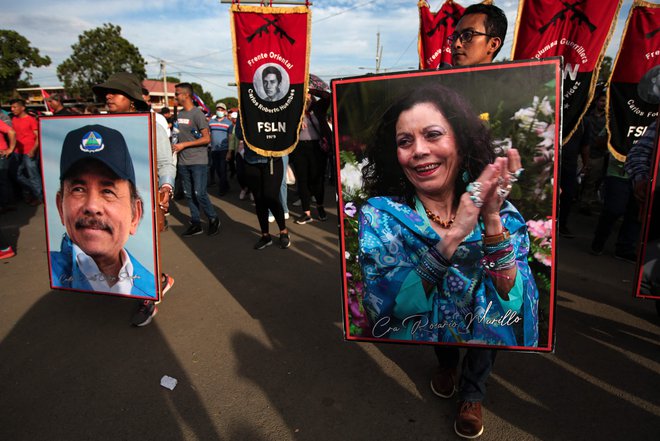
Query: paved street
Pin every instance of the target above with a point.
(255, 340)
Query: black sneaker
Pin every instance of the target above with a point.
(264, 242)
(144, 314)
(304, 219)
(322, 215)
(214, 226)
(285, 241)
(193, 230)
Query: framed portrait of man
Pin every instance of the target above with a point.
(99, 195)
(448, 196)
(644, 156)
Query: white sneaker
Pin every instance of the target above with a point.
(286, 215)
(271, 218)
(243, 194)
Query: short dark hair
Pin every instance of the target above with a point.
(272, 70)
(165, 110)
(496, 22)
(84, 164)
(20, 101)
(187, 87)
(383, 175)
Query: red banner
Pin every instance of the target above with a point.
(434, 50)
(578, 30)
(271, 54)
(630, 108)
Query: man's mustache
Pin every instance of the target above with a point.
(93, 223)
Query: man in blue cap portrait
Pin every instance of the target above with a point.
(100, 208)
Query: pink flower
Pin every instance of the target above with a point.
(350, 209)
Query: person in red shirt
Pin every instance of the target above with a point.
(7, 146)
(27, 149)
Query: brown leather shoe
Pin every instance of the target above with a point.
(468, 423)
(443, 382)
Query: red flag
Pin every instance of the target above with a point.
(434, 29)
(45, 95)
(630, 108)
(576, 30)
(271, 47)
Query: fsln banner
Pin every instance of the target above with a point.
(636, 70)
(271, 53)
(434, 50)
(578, 30)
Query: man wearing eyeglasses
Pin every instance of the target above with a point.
(477, 39)
(479, 35)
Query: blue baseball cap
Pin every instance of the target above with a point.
(101, 143)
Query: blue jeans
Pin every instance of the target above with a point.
(477, 365)
(283, 187)
(27, 174)
(194, 179)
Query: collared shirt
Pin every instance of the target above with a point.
(219, 132)
(98, 280)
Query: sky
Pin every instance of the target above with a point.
(194, 37)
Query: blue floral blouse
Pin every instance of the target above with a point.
(464, 306)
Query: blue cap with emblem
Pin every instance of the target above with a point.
(101, 143)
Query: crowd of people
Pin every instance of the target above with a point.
(197, 153)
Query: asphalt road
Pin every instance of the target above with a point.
(254, 339)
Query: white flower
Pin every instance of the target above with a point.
(544, 107)
(351, 177)
(347, 255)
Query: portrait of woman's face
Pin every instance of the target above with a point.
(426, 148)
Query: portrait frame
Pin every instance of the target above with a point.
(647, 269)
(505, 96)
(142, 247)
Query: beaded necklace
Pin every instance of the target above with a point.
(445, 224)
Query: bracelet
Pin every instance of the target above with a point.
(432, 266)
(496, 238)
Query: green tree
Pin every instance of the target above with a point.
(605, 69)
(17, 55)
(230, 101)
(99, 53)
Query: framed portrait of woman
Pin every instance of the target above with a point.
(99, 197)
(448, 196)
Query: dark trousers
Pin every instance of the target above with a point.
(5, 181)
(569, 186)
(309, 162)
(477, 365)
(264, 182)
(240, 171)
(619, 201)
(219, 168)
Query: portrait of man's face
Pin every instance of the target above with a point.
(271, 85)
(97, 210)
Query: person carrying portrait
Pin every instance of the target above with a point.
(100, 208)
(477, 39)
(123, 93)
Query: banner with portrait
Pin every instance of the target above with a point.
(578, 30)
(636, 71)
(434, 28)
(99, 197)
(271, 61)
(409, 138)
(648, 261)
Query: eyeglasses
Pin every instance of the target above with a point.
(465, 36)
